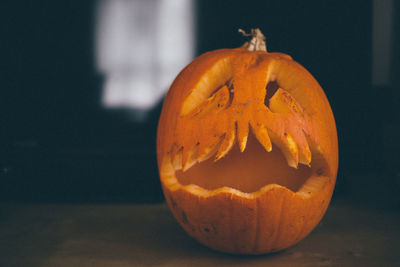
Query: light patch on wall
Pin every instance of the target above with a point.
(141, 45)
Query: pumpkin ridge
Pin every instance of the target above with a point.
(257, 229)
(278, 226)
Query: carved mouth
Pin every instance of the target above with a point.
(248, 172)
(243, 141)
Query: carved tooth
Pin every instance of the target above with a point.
(262, 136)
(173, 151)
(226, 144)
(167, 167)
(186, 155)
(189, 158)
(177, 159)
(206, 152)
(288, 147)
(292, 153)
(305, 156)
(242, 134)
(304, 150)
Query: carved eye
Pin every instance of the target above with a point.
(220, 99)
(211, 84)
(271, 89)
(227, 91)
(279, 100)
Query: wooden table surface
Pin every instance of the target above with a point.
(147, 235)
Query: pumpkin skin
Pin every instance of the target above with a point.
(218, 107)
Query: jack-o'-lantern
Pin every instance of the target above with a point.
(247, 149)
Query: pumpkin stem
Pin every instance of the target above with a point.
(257, 42)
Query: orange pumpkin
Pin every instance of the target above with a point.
(247, 149)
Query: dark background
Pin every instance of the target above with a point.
(57, 143)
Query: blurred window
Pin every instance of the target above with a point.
(141, 45)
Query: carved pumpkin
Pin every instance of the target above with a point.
(247, 149)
